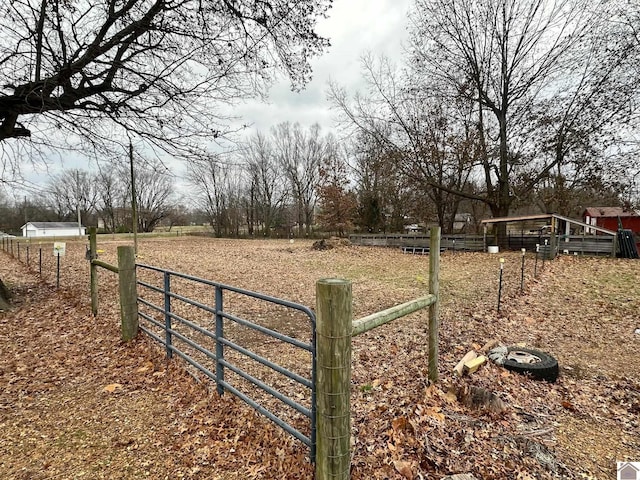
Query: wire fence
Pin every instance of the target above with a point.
(54, 260)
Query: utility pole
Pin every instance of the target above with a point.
(134, 203)
(78, 196)
(79, 221)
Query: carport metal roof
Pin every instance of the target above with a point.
(553, 217)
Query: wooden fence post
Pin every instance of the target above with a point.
(333, 353)
(93, 246)
(434, 308)
(128, 292)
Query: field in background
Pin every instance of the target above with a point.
(582, 310)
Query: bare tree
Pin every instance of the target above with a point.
(156, 68)
(113, 199)
(179, 215)
(153, 192)
(267, 182)
(70, 191)
(431, 142)
(384, 196)
(300, 153)
(528, 66)
(216, 191)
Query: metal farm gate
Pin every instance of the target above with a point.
(271, 353)
(260, 348)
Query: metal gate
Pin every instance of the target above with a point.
(252, 345)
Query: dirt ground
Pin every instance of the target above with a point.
(76, 402)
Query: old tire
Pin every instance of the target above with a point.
(539, 365)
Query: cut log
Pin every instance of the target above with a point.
(472, 365)
(491, 344)
(459, 368)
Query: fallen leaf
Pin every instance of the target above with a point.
(148, 366)
(403, 468)
(399, 423)
(112, 387)
(451, 396)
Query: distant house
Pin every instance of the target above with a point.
(52, 229)
(607, 217)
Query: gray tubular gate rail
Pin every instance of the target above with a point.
(209, 338)
(208, 349)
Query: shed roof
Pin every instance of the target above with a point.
(545, 216)
(610, 212)
(53, 225)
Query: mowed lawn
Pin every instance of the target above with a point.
(76, 402)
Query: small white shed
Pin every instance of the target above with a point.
(52, 229)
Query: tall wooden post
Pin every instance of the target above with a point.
(434, 310)
(128, 292)
(333, 416)
(93, 247)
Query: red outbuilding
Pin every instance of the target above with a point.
(607, 217)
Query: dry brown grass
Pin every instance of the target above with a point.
(59, 420)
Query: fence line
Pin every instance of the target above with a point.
(37, 255)
(562, 244)
(329, 348)
(335, 328)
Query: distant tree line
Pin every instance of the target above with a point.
(274, 184)
(101, 198)
(498, 106)
(289, 182)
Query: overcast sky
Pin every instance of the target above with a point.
(354, 28)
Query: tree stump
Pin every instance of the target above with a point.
(5, 296)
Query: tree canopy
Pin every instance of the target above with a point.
(500, 100)
(74, 71)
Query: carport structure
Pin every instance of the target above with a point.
(564, 233)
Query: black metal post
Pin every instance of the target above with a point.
(58, 270)
(500, 284)
(27, 255)
(40, 263)
(524, 251)
(18, 251)
(219, 346)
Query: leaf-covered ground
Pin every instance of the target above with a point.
(75, 402)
